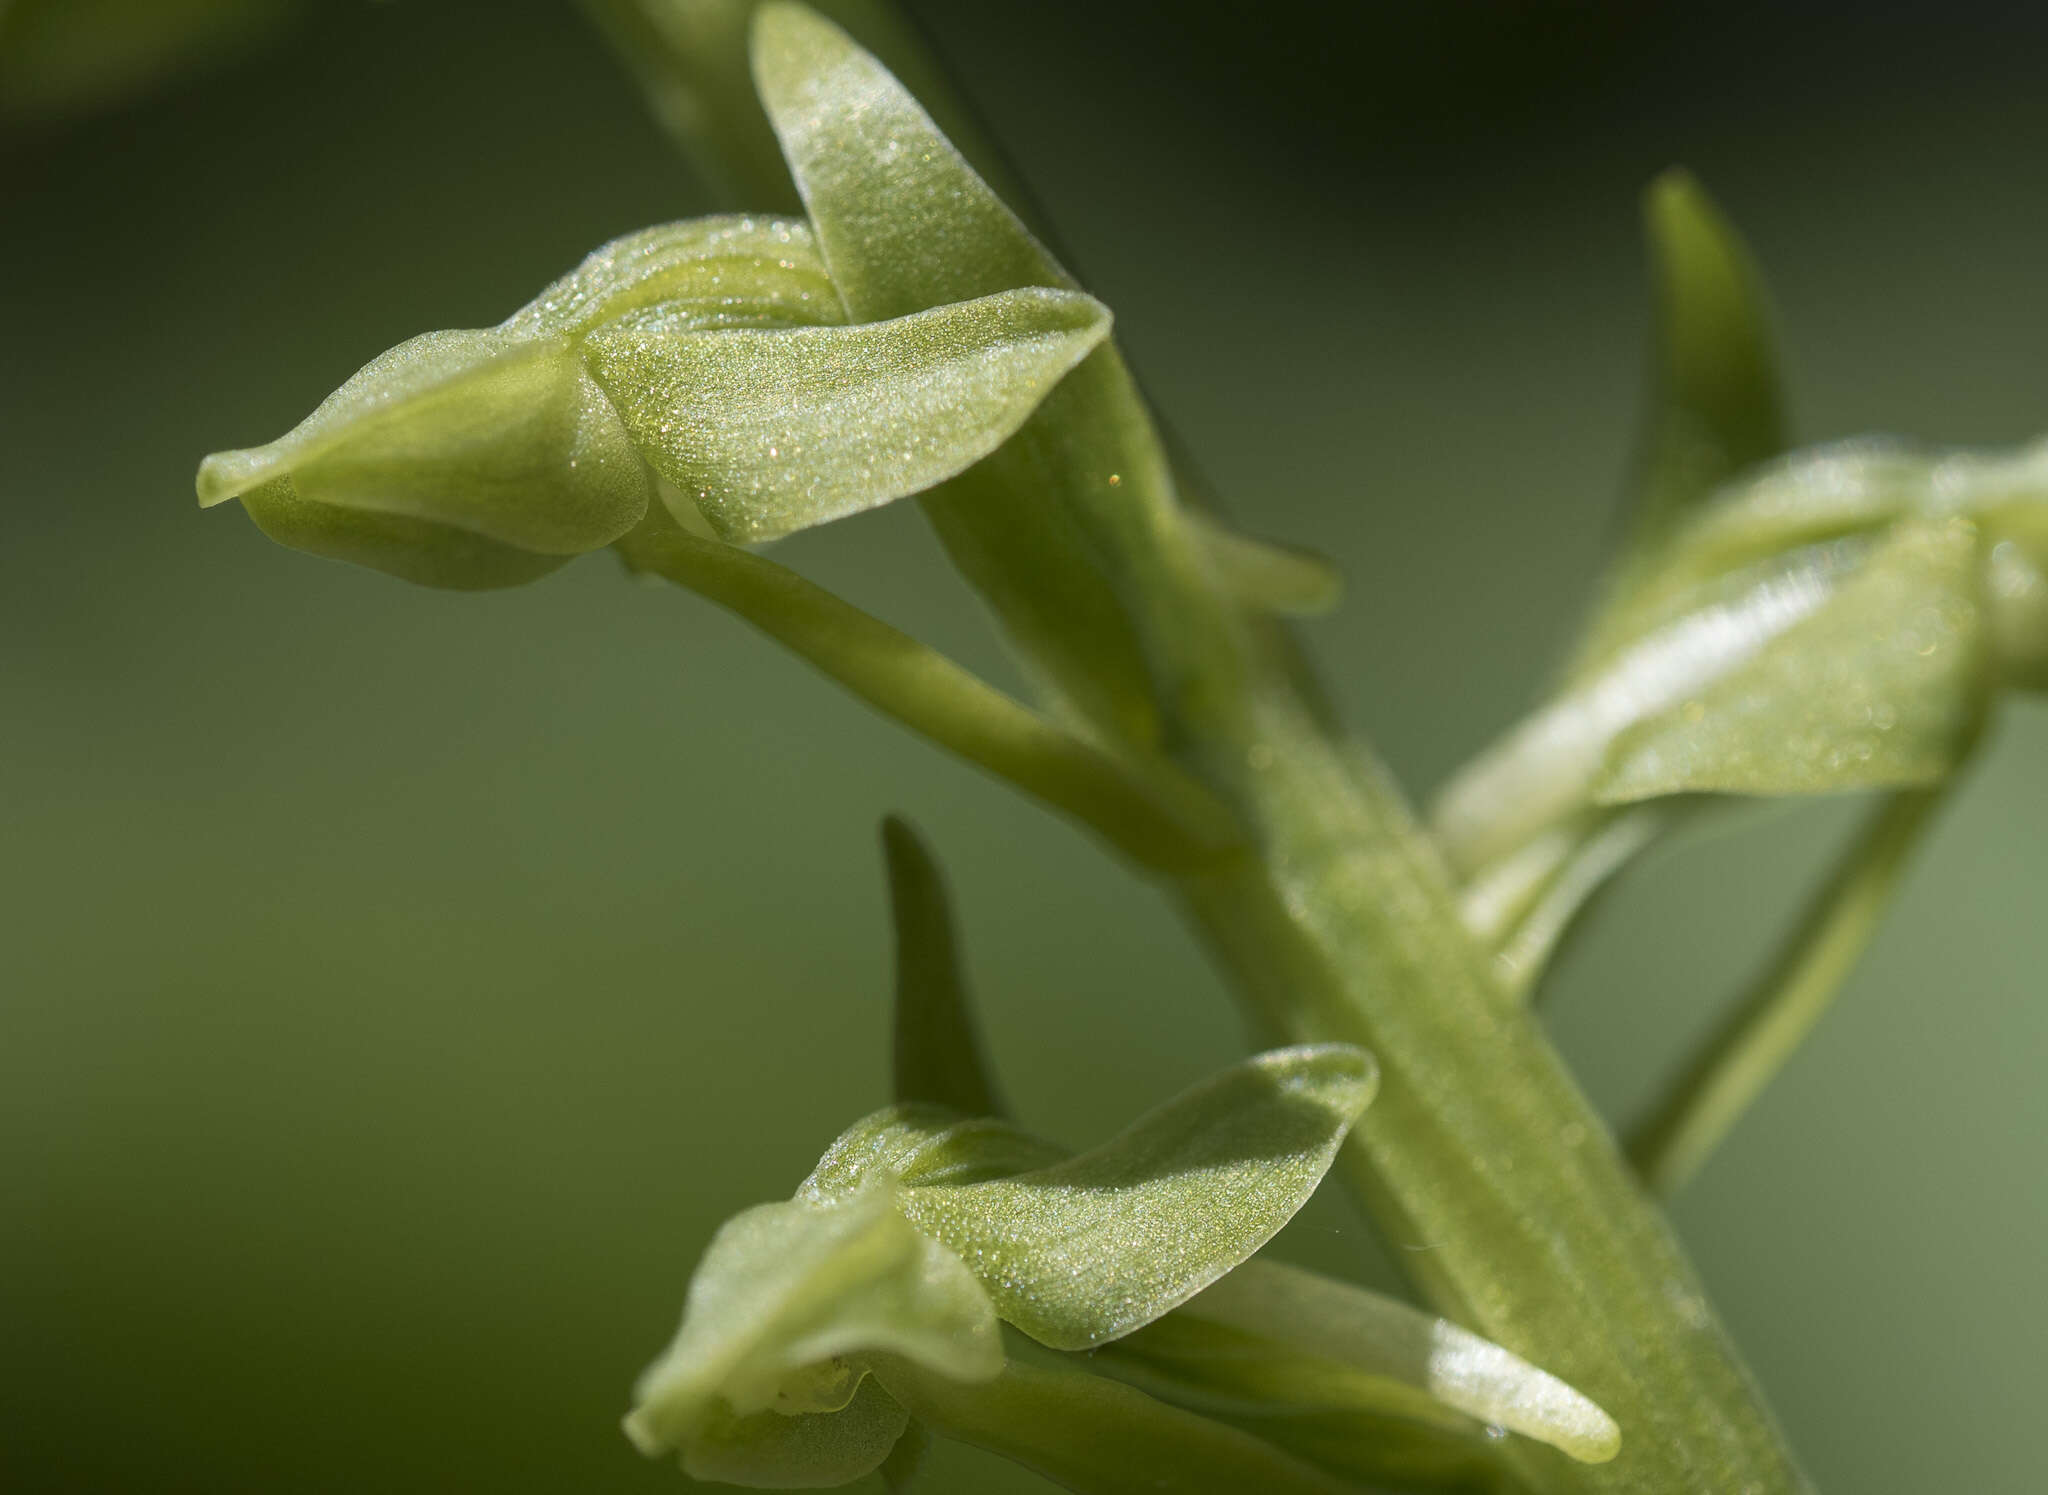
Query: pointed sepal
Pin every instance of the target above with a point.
(1080, 1252)
(769, 431)
(1298, 1340)
(787, 1300)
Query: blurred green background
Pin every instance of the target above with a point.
(396, 988)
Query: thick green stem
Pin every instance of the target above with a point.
(1748, 1049)
(1499, 1185)
(1495, 1181)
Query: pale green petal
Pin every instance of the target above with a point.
(1842, 489)
(919, 1143)
(1765, 556)
(798, 1451)
(904, 223)
(705, 272)
(1223, 1371)
(1362, 1337)
(1837, 492)
(433, 555)
(1545, 768)
(1851, 663)
(787, 1293)
(1883, 687)
(937, 1052)
(774, 431)
(474, 431)
(1080, 1252)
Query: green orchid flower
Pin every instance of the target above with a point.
(920, 1231)
(1839, 620)
(1836, 620)
(934, 1265)
(709, 365)
(697, 388)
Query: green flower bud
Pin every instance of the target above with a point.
(706, 362)
(479, 459)
(920, 1229)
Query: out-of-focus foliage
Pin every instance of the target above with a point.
(70, 57)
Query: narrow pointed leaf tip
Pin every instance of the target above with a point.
(1302, 1320)
(1721, 405)
(1716, 405)
(934, 232)
(938, 1056)
(1085, 1250)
